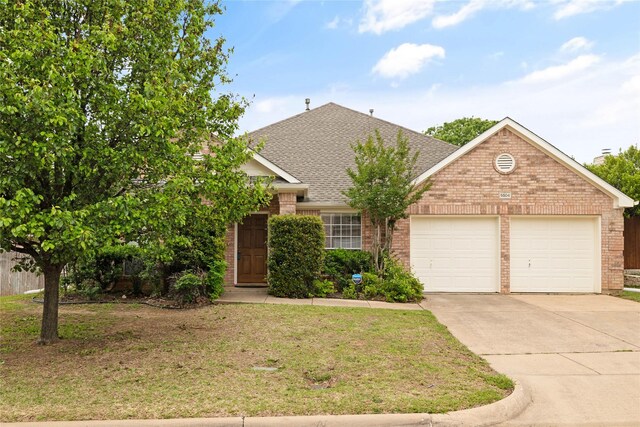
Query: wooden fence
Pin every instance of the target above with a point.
(12, 283)
(632, 243)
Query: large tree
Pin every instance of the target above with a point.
(460, 131)
(102, 106)
(623, 172)
(383, 188)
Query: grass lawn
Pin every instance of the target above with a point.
(120, 361)
(633, 296)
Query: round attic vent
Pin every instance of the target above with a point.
(505, 163)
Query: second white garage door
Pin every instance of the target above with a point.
(551, 254)
(455, 254)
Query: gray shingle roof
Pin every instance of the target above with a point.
(315, 147)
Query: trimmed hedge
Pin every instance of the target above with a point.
(296, 255)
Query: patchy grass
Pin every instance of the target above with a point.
(119, 361)
(633, 296)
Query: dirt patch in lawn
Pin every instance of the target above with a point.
(119, 361)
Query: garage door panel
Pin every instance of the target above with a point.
(554, 254)
(455, 254)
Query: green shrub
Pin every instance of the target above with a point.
(214, 280)
(296, 254)
(188, 286)
(340, 264)
(322, 288)
(399, 284)
(102, 268)
(350, 292)
(371, 285)
(396, 285)
(89, 288)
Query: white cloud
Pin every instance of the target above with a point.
(632, 85)
(474, 6)
(333, 24)
(338, 22)
(579, 116)
(567, 8)
(576, 44)
(406, 59)
(558, 72)
(385, 15)
(462, 14)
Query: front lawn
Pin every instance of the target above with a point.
(120, 361)
(633, 296)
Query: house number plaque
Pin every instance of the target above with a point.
(505, 195)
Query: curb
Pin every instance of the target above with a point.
(488, 415)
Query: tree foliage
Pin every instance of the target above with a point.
(623, 172)
(102, 105)
(460, 131)
(382, 187)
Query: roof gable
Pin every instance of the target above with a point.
(276, 170)
(620, 199)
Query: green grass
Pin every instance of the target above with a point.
(122, 361)
(633, 296)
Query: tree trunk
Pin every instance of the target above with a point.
(49, 330)
(377, 259)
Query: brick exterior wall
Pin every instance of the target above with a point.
(539, 186)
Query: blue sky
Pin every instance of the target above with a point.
(569, 70)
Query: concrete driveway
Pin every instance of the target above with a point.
(578, 354)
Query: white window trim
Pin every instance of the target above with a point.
(346, 212)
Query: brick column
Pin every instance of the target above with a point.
(287, 203)
(612, 228)
(230, 254)
(505, 254)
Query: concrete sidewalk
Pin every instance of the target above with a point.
(258, 295)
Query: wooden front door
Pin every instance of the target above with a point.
(252, 249)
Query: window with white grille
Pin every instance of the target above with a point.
(505, 163)
(342, 230)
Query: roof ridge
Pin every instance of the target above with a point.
(291, 117)
(403, 128)
(422, 135)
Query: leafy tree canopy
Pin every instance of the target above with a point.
(623, 172)
(102, 105)
(460, 131)
(382, 187)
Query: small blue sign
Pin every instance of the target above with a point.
(356, 278)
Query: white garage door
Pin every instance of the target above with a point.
(455, 254)
(555, 254)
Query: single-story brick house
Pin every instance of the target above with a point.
(508, 212)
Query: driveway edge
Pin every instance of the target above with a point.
(492, 414)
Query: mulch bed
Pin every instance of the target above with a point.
(124, 298)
